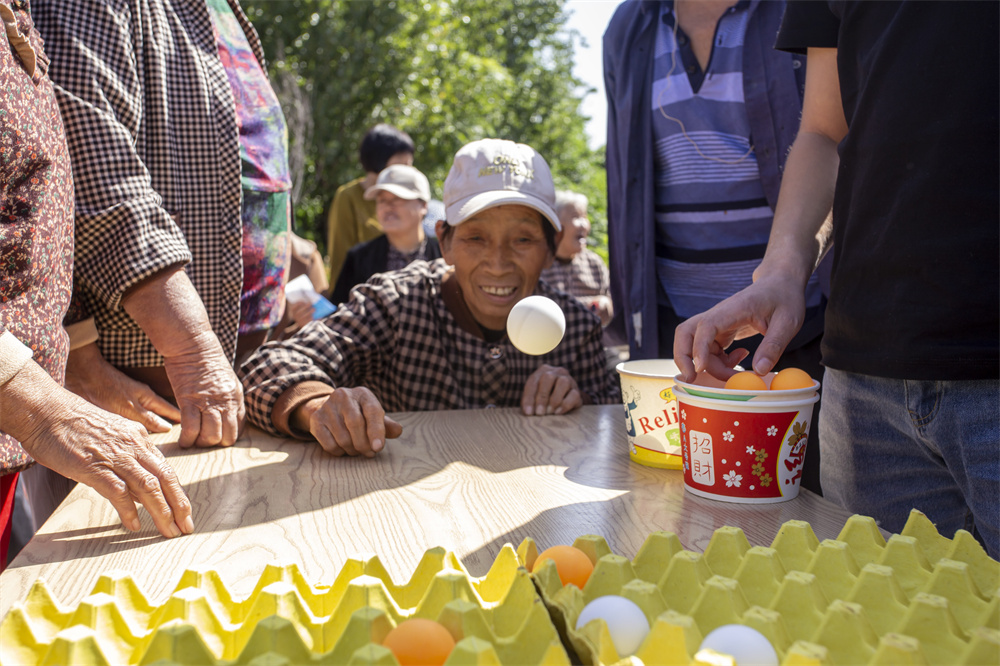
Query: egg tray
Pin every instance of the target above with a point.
(918, 598)
(499, 618)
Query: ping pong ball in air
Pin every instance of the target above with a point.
(626, 622)
(791, 378)
(748, 647)
(573, 565)
(419, 642)
(536, 325)
(746, 381)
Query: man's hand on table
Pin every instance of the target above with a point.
(111, 454)
(550, 390)
(349, 421)
(91, 377)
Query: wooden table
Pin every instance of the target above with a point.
(466, 480)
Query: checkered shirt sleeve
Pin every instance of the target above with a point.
(154, 146)
(396, 337)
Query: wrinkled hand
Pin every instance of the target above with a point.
(91, 377)
(772, 306)
(111, 454)
(550, 390)
(349, 421)
(207, 391)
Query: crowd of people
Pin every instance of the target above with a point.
(147, 242)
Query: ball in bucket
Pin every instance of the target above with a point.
(651, 417)
(749, 452)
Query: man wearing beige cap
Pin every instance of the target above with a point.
(401, 194)
(432, 336)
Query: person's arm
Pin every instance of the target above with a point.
(774, 304)
(128, 246)
(123, 231)
(91, 377)
(347, 421)
(69, 435)
(290, 383)
(206, 389)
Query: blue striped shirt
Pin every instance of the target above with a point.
(712, 216)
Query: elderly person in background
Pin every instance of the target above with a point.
(401, 194)
(352, 217)
(39, 419)
(432, 336)
(576, 270)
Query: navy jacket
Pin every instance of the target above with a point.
(773, 85)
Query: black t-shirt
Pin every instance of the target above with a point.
(915, 292)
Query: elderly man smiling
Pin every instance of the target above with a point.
(432, 335)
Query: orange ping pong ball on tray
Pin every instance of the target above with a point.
(573, 565)
(791, 378)
(419, 642)
(746, 381)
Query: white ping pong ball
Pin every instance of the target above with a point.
(748, 647)
(626, 622)
(536, 325)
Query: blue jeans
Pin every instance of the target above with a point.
(891, 445)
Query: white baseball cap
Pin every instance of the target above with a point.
(404, 181)
(493, 172)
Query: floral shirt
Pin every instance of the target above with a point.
(36, 208)
(266, 206)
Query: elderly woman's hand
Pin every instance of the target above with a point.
(550, 390)
(207, 391)
(93, 378)
(111, 454)
(210, 397)
(349, 421)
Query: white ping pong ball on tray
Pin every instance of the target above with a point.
(626, 622)
(536, 325)
(747, 646)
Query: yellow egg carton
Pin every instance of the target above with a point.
(497, 619)
(918, 598)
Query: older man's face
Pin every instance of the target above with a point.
(398, 216)
(576, 229)
(498, 255)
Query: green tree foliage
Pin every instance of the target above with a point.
(445, 71)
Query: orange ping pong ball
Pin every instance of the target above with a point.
(791, 378)
(573, 565)
(419, 642)
(746, 381)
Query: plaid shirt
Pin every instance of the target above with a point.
(584, 275)
(396, 337)
(151, 126)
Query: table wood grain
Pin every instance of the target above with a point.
(469, 481)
